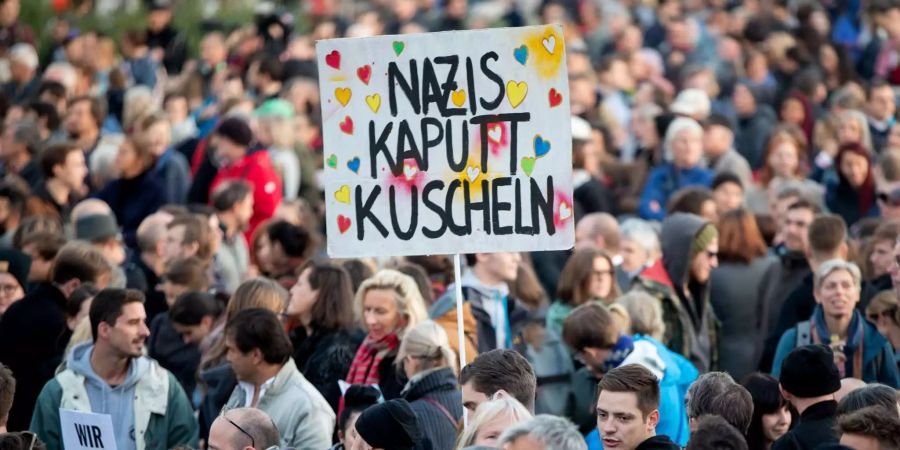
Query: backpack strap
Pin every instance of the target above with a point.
(804, 334)
(443, 410)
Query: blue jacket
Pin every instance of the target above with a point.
(678, 375)
(878, 356)
(664, 181)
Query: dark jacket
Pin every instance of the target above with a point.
(437, 401)
(174, 172)
(816, 427)
(33, 336)
(688, 315)
(174, 44)
(155, 302)
(659, 442)
(844, 201)
(219, 383)
(132, 200)
(168, 348)
(798, 306)
(592, 197)
(736, 302)
(390, 380)
(752, 133)
(777, 284)
(324, 358)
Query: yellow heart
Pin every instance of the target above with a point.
(343, 194)
(515, 92)
(343, 95)
(458, 97)
(374, 102)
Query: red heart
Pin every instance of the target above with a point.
(555, 97)
(343, 223)
(364, 73)
(347, 125)
(333, 59)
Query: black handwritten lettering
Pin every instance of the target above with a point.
(409, 87)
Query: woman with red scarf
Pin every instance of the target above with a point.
(852, 195)
(387, 304)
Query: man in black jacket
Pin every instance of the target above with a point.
(809, 379)
(167, 45)
(33, 330)
(628, 410)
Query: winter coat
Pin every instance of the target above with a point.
(777, 284)
(159, 415)
(255, 168)
(33, 334)
(219, 382)
(843, 200)
(435, 397)
(816, 427)
(324, 358)
(303, 417)
(733, 293)
(174, 44)
(752, 133)
(167, 347)
(878, 355)
(665, 180)
(132, 200)
(690, 322)
(173, 170)
(797, 307)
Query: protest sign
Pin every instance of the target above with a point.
(84, 430)
(444, 143)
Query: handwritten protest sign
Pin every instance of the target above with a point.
(445, 143)
(84, 430)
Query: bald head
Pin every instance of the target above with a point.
(90, 207)
(259, 432)
(599, 230)
(152, 231)
(848, 385)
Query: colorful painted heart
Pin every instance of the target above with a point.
(458, 97)
(374, 102)
(333, 59)
(343, 223)
(549, 43)
(521, 54)
(410, 169)
(516, 92)
(353, 165)
(398, 47)
(541, 146)
(472, 173)
(495, 134)
(343, 194)
(347, 125)
(364, 73)
(332, 161)
(565, 211)
(343, 95)
(527, 164)
(555, 97)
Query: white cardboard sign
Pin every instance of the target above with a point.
(444, 143)
(86, 431)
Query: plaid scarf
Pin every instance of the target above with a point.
(364, 369)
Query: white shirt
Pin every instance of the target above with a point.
(250, 389)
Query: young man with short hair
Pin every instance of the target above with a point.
(187, 236)
(716, 393)
(628, 410)
(33, 330)
(497, 370)
(259, 352)
(871, 428)
(64, 171)
(111, 376)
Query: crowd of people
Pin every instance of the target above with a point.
(733, 284)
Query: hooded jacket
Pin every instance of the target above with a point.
(149, 409)
(689, 318)
(303, 417)
(436, 399)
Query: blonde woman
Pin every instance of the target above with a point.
(387, 305)
(432, 390)
(491, 419)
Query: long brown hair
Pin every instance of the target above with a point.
(333, 309)
(784, 133)
(576, 275)
(739, 237)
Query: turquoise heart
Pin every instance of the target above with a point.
(541, 147)
(353, 165)
(521, 54)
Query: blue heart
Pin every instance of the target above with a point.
(521, 54)
(541, 147)
(353, 165)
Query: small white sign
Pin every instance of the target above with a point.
(86, 431)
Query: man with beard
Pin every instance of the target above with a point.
(111, 376)
(233, 202)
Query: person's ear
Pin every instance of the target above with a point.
(206, 321)
(787, 395)
(102, 330)
(844, 250)
(257, 355)
(653, 418)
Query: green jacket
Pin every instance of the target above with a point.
(163, 414)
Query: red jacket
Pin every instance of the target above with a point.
(256, 168)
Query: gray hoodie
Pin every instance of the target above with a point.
(116, 401)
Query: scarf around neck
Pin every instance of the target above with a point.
(364, 369)
(853, 348)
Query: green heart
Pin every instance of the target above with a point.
(332, 161)
(398, 47)
(528, 164)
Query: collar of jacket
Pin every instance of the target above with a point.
(821, 410)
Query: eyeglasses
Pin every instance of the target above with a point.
(8, 289)
(252, 441)
(887, 314)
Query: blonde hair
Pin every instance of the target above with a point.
(645, 314)
(427, 341)
(621, 317)
(409, 300)
(884, 301)
(501, 404)
(81, 334)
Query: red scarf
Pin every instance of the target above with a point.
(364, 369)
